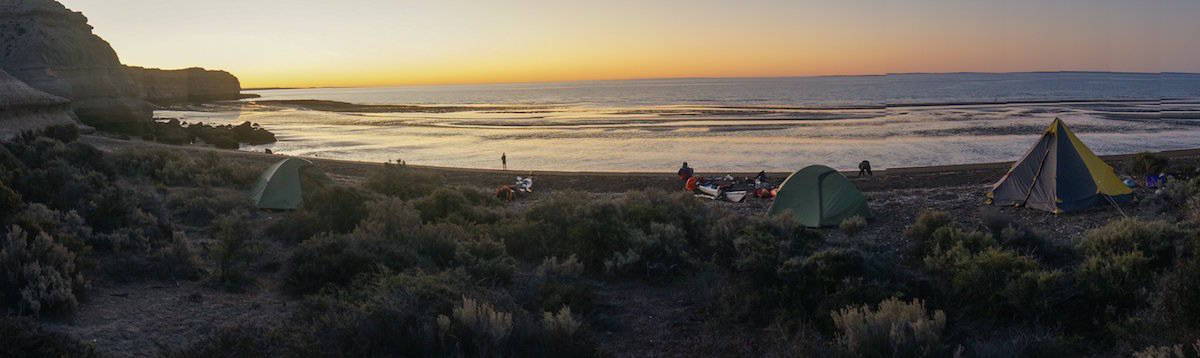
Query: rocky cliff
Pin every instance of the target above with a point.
(186, 85)
(24, 108)
(53, 49)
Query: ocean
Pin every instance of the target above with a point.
(737, 124)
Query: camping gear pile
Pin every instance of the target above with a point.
(725, 188)
(510, 192)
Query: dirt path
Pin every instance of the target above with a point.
(150, 319)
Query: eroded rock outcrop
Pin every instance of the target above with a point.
(53, 49)
(186, 85)
(23, 108)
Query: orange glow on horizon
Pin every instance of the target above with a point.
(314, 43)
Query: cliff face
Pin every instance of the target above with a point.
(186, 85)
(24, 108)
(53, 49)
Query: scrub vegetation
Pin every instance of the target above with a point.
(382, 269)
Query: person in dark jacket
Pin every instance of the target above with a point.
(865, 168)
(685, 172)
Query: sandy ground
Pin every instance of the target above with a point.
(662, 319)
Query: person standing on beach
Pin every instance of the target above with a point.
(504, 161)
(865, 168)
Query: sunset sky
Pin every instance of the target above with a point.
(376, 42)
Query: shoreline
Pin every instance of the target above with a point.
(352, 171)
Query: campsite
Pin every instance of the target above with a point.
(373, 253)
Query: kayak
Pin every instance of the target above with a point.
(717, 194)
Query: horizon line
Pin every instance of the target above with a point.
(268, 88)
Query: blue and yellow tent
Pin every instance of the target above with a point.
(1059, 174)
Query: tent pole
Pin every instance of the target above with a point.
(1116, 206)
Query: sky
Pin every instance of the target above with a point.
(305, 43)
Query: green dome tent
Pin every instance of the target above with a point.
(820, 196)
(279, 187)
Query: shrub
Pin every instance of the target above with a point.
(1179, 290)
(332, 209)
(176, 168)
(65, 133)
(1173, 351)
(894, 329)
(323, 260)
(1033, 244)
(456, 205)
(1110, 287)
(781, 277)
(234, 250)
(1014, 286)
(853, 225)
(995, 221)
(486, 261)
(562, 324)
(1155, 240)
(40, 276)
(23, 337)
(199, 207)
(1146, 163)
(10, 201)
(477, 323)
(558, 283)
(402, 182)
(634, 235)
(927, 223)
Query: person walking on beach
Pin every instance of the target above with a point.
(504, 161)
(865, 168)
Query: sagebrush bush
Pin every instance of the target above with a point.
(39, 275)
(10, 201)
(562, 324)
(1015, 286)
(1033, 244)
(459, 205)
(199, 207)
(323, 260)
(1179, 292)
(560, 283)
(478, 323)
(402, 182)
(1172, 351)
(648, 234)
(927, 223)
(1146, 163)
(175, 168)
(1155, 240)
(853, 225)
(894, 329)
(1111, 286)
(327, 209)
(234, 251)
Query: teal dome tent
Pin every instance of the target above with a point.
(819, 196)
(279, 187)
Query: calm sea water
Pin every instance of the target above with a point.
(726, 124)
